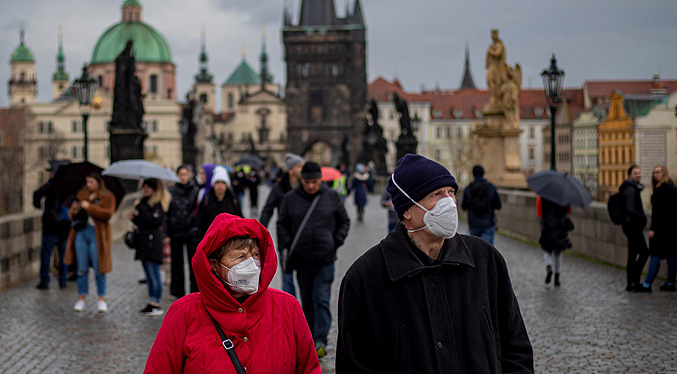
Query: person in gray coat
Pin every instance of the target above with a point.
(427, 299)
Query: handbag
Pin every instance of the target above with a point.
(287, 252)
(79, 222)
(227, 345)
(132, 239)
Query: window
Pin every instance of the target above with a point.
(458, 113)
(74, 152)
(154, 123)
(334, 70)
(532, 153)
(438, 132)
(41, 127)
(230, 100)
(108, 126)
(203, 98)
(438, 154)
(100, 78)
(74, 126)
(447, 132)
(107, 152)
(153, 83)
(50, 127)
(155, 149)
(538, 112)
(305, 69)
(531, 133)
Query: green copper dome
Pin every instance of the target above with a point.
(149, 45)
(243, 74)
(22, 53)
(131, 3)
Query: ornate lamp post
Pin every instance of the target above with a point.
(84, 88)
(553, 78)
(415, 122)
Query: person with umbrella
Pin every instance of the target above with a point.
(555, 227)
(90, 238)
(149, 217)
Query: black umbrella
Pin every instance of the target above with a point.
(250, 160)
(560, 188)
(69, 179)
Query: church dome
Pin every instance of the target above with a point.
(148, 44)
(22, 53)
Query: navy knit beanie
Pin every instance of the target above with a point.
(417, 176)
(311, 170)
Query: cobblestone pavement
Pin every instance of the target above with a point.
(588, 325)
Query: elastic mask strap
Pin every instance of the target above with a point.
(392, 177)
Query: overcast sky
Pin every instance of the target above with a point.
(420, 42)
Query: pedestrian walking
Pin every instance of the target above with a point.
(662, 234)
(312, 225)
(55, 228)
(387, 202)
(236, 319)
(180, 220)
(293, 163)
(149, 216)
(633, 228)
(90, 239)
(205, 179)
(481, 201)
(219, 199)
(253, 182)
(555, 227)
(427, 299)
(360, 187)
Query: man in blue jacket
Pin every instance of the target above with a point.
(481, 200)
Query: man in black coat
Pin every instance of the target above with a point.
(427, 299)
(633, 228)
(293, 163)
(180, 220)
(314, 252)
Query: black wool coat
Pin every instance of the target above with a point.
(664, 221)
(459, 315)
(275, 199)
(554, 232)
(324, 232)
(149, 221)
(181, 213)
(635, 218)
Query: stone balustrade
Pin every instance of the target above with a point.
(21, 239)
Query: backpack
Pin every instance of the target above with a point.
(480, 197)
(616, 208)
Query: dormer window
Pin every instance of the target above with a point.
(538, 111)
(458, 113)
(437, 113)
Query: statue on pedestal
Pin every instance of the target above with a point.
(188, 130)
(376, 145)
(127, 98)
(406, 142)
(504, 82)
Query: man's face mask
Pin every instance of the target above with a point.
(244, 277)
(442, 220)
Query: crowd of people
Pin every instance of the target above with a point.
(456, 285)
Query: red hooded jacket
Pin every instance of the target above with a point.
(269, 330)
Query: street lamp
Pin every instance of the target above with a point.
(84, 89)
(553, 78)
(415, 122)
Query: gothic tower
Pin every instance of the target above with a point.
(60, 77)
(326, 90)
(205, 91)
(23, 85)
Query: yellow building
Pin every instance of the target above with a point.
(616, 147)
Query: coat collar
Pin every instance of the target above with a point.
(401, 262)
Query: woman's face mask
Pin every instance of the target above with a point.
(442, 220)
(244, 277)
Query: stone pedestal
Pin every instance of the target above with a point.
(405, 144)
(499, 150)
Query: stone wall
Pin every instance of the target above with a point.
(594, 236)
(21, 238)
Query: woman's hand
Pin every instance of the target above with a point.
(651, 233)
(85, 205)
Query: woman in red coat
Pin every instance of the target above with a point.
(234, 264)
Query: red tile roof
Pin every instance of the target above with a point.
(223, 116)
(598, 89)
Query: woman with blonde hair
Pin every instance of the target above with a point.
(662, 235)
(149, 218)
(90, 239)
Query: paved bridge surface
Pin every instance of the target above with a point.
(588, 325)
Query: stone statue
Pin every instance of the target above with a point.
(405, 120)
(376, 142)
(496, 68)
(127, 98)
(510, 91)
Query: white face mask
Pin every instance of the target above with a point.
(244, 277)
(442, 220)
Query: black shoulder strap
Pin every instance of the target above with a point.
(227, 344)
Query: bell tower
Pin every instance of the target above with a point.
(205, 91)
(23, 84)
(60, 77)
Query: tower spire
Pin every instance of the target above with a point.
(467, 81)
(60, 74)
(264, 59)
(203, 76)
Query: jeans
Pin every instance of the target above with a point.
(315, 284)
(178, 282)
(486, 233)
(288, 283)
(637, 254)
(48, 243)
(87, 254)
(152, 270)
(655, 265)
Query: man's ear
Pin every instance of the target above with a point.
(406, 214)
